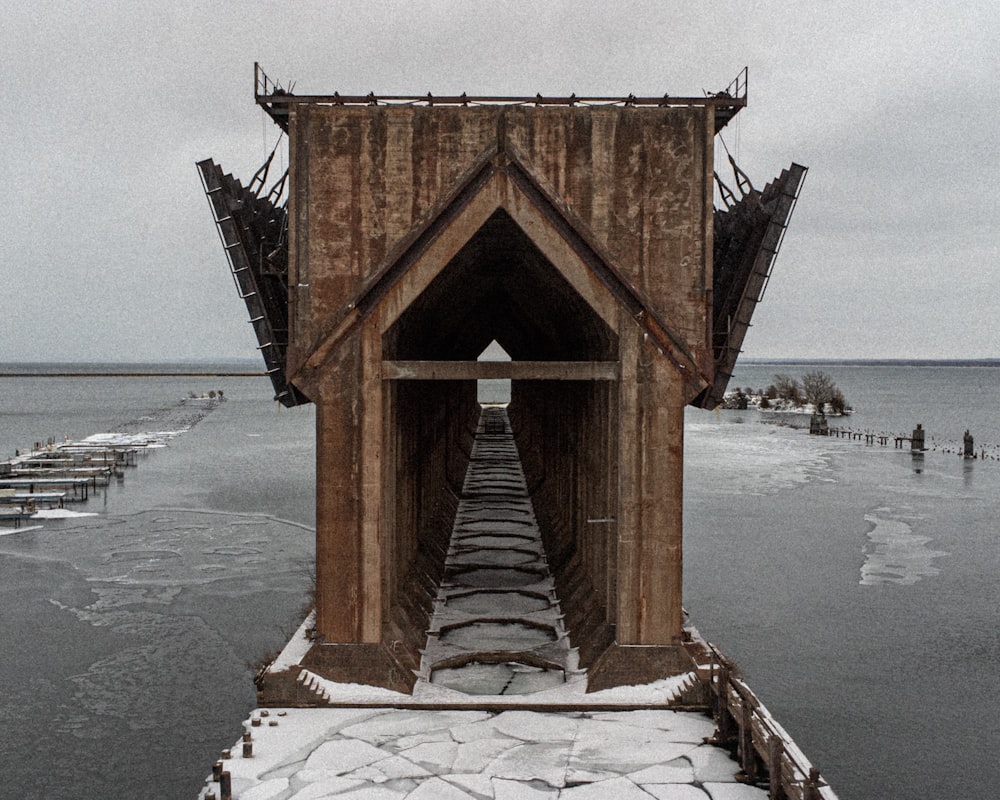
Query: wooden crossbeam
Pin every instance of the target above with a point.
(491, 370)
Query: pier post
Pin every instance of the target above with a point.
(724, 736)
(818, 425)
(812, 785)
(917, 440)
(968, 442)
(748, 757)
(775, 749)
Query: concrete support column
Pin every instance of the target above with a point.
(339, 560)
(650, 528)
(349, 434)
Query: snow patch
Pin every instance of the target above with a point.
(61, 513)
(25, 529)
(894, 553)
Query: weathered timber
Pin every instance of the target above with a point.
(577, 233)
(766, 751)
(513, 370)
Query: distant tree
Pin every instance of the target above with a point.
(787, 388)
(820, 390)
(838, 405)
(736, 399)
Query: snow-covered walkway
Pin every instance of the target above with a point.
(398, 754)
(497, 628)
(496, 640)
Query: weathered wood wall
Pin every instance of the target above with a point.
(571, 469)
(569, 235)
(638, 181)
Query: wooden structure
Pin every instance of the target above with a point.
(766, 753)
(578, 234)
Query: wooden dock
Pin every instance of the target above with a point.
(52, 474)
(917, 442)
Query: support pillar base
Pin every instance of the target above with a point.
(369, 664)
(628, 665)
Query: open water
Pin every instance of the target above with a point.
(855, 586)
(129, 637)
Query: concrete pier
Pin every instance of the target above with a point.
(500, 708)
(386, 753)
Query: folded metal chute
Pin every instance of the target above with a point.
(253, 228)
(748, 235)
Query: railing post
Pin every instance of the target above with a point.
(812, 785)
(723, 719)
(748, 757)
(775, 750)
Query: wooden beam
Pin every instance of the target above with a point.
(487, 370)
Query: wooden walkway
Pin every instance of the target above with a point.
(497, 628)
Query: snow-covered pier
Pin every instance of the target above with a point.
(500, 709)
(528, 598)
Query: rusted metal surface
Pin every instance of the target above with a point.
(277, 101)
(253, 234)
(576, 232)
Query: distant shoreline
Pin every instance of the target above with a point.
(132, 374)
(243, 369)
(195, 368)
(872, 362)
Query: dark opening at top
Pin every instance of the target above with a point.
(500, 287)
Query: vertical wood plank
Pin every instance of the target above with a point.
(371, 482)
(338, 497)
(651, 485)
(661, 437)
(629, 516)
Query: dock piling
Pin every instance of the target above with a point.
(775, 748)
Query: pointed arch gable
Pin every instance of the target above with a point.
(571, 252)
(498, 193)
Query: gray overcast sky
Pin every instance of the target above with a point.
(108, 251)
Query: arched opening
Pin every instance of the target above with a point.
(500, 301)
